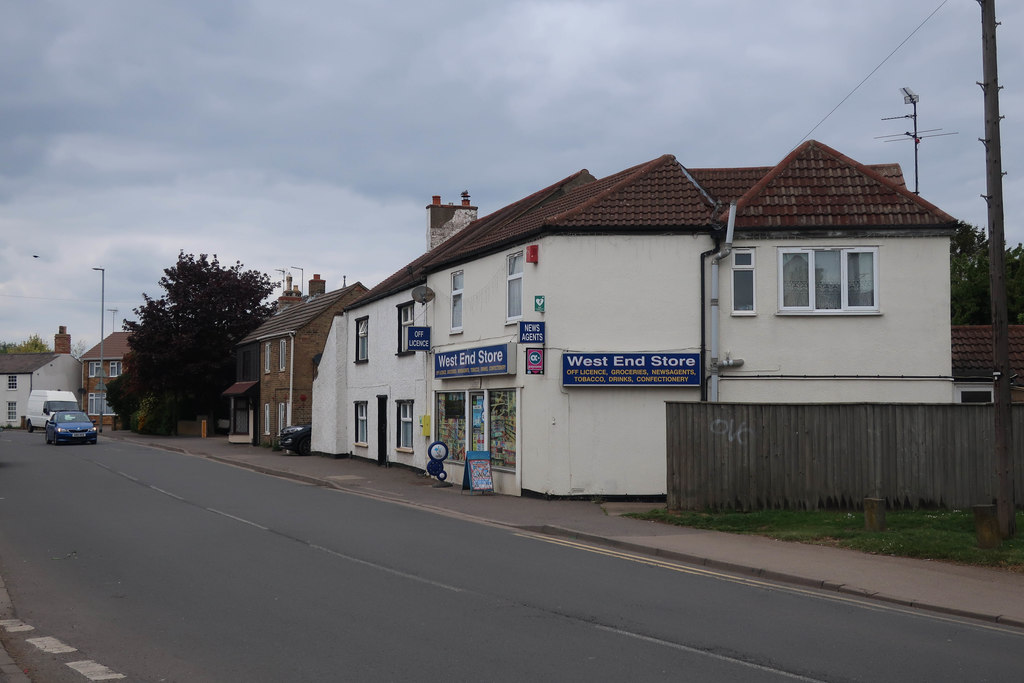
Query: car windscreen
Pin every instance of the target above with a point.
(54, 406)
(72, 417)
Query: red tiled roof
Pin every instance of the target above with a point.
(816, 186)
(813, 187)
(115, 345)
(972, 351)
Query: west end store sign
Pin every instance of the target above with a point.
(631, 369)
(482, 360)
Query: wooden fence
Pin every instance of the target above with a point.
(789, 456)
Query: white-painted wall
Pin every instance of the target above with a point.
(330, 430)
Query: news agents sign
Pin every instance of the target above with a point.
(418, 339)
(631, 369)
(483, 360)
(531, 332)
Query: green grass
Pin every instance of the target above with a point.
(947, 535)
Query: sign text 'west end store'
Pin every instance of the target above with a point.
(483, 360)
(631, 369)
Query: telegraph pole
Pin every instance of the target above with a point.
(1005, 504)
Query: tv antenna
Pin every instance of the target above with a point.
(912, 98)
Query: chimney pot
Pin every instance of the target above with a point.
(436, 200)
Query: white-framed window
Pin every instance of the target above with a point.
(94, 368)
(266, 417)
(743, 300)
(361, 422)
(98, 405)
(266, 359)
(457, 283)
(514, 298)
(282, 353)
(406, 317)
(405, 430)
(12, 382)
(828, 280)
(12, 411)
(362, 339)
(978, 393)
(115, 368)
(282, 416)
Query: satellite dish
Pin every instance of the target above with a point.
(422, 294)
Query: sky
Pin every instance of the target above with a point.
(309, 136)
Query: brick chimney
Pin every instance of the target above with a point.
(445, 220)
(62, 340)
(289, 296)
(316, 285)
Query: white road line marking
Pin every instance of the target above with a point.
(94, 671)
(51, 645)
(237, 519)
(15, 625)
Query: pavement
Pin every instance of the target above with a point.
(989, 595)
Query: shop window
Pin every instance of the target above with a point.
(451, 422)
(501, 427)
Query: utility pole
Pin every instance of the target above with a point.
(1005, 504)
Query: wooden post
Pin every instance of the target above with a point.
(874, 514)
(986, 525)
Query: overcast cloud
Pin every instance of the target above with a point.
(311, 134)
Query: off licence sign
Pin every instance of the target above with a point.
(631, 369)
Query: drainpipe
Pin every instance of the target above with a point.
(291, 376)
(716, 259)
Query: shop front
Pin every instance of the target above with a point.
(479, 419)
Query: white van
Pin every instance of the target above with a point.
(42, 402)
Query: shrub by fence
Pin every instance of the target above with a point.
(803, 456)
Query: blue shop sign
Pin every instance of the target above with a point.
(483, 360)
(418, 338)
(631, 369)
(531, 332)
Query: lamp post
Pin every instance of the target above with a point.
(100, 386)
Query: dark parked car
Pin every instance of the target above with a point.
(70, 426)
(296, 438)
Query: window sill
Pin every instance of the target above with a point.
(361, 445)
(405, 450)
(406, 353)
(458, 331)
(828, 313)
(744, 314)
(513, 321)
(360, 361)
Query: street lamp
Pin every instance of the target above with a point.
(100, 386)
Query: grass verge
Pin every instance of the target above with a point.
(947, 535)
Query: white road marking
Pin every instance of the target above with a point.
(51, 645)
(15, 625)
(94, 671)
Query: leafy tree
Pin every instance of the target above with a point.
(182, 344)
(970, 302)
(33, 344)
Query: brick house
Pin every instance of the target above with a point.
(276, 363)
(115, 348)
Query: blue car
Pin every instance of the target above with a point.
(70, 426)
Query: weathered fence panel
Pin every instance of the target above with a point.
(808, 456)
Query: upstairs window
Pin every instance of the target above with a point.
(839, 280)
(743, 282)
(457, 278)
(266, 358)
(514, 300)
(282, 353)
(12, 382)
(115, 368)
(406, 317)
(94, 368)
(362, 340)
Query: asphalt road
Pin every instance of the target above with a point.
(166, 567)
